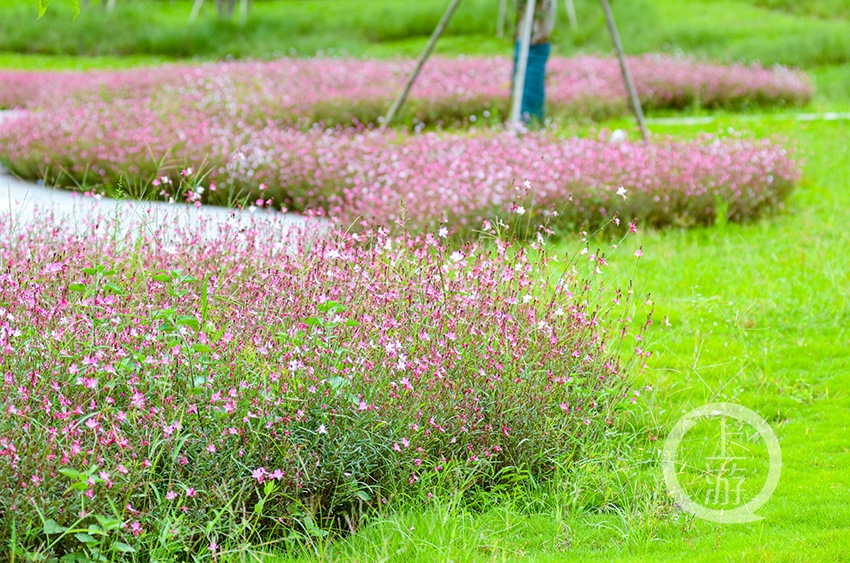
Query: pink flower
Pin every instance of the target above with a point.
(136, 529)
(138, 400)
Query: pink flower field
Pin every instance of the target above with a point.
(426, 179)
(247, 129)
(150, 386)
(338, 91)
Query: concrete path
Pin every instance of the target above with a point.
(26, 200)
(705, 120)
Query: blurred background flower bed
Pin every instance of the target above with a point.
(256, 138)
(342, 91)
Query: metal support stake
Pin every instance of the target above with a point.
(571, 14)
(522, 63)
(196, 9)
(243, 12)
(500, 23)
(447, 16)
(627, 76)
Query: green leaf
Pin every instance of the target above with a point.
(52, 527)
(85, 538)
(188, 320)
(352, 322)
(75, 5)
(163, 313)
(89, 271)
(165, 278)
(122, 547)
(108, 524)
(311, 528)
(336, 382)
(95, 529)
(363, 495)
(328, 306)
(42, 7)
(77, 287)
(70, 473)
(313, 321)
(114, 288)
(198, 347)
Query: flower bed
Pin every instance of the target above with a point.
(464, 179)
(299, 91)
(149, 389)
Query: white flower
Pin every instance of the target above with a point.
(618, 136)
(527, 185)
(443, 232)
(622, 192)
(322, 429)
(520, 210)
(527, 298)
(456, 256)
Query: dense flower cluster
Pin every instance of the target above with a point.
(341, 90)
(155, 380)
(382, 177)
(246, 125)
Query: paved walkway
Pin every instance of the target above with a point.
(704, 120)
(24, 200)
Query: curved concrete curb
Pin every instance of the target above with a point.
(25, 201)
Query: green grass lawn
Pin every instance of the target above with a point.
(759, 316)
(763, 30)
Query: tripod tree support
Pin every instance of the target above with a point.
(522, 63)
(196, 10)
(571, 14)
(627, 76)
(500, 21)
(447, 16)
